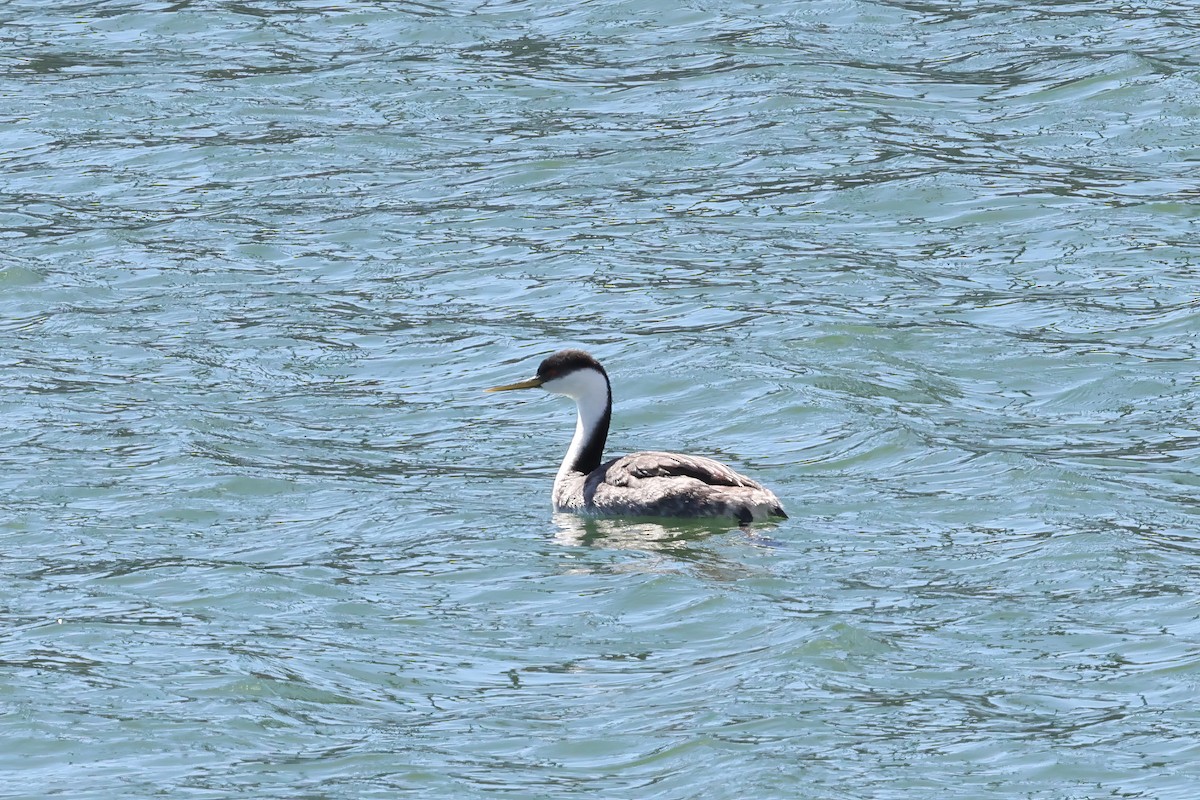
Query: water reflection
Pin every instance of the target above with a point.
(690, 540)
(647, 534)
(701, 548)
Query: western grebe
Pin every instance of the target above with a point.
(650, 484)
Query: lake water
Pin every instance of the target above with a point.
(929, 269)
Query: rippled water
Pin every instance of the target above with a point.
(926, 268)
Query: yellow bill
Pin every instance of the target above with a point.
(532, 383)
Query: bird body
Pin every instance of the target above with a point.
(658, 484)
(646, 484)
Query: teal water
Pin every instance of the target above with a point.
(928, 269)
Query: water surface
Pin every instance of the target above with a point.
(928, 269)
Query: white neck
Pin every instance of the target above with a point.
(589, 389)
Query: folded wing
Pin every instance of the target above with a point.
(676, 485)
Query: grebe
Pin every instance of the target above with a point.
(650, 484)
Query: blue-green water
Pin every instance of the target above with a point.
(928, 269)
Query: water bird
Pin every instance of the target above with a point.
(647, 484)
